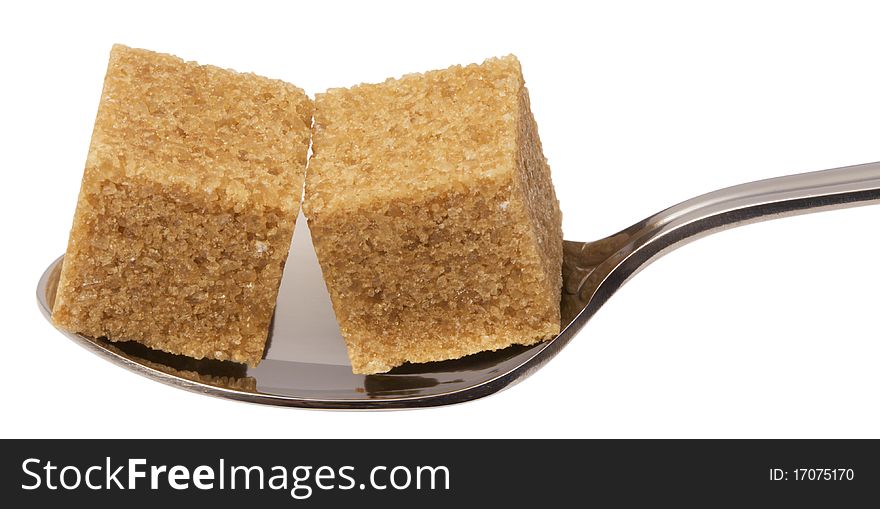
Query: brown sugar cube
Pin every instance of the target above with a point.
(434, 217)
(187, 207)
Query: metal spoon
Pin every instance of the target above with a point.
(306, 365)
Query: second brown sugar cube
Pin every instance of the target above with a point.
(434, 217)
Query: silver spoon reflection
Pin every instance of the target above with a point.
(305, 362)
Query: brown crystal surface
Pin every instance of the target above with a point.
(433, 216)
(187, 207)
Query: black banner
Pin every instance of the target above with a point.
(390, 473)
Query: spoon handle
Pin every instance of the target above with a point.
(752, 202)
(595, 270)
(776, 197)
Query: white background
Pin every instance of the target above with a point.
(764, 331)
